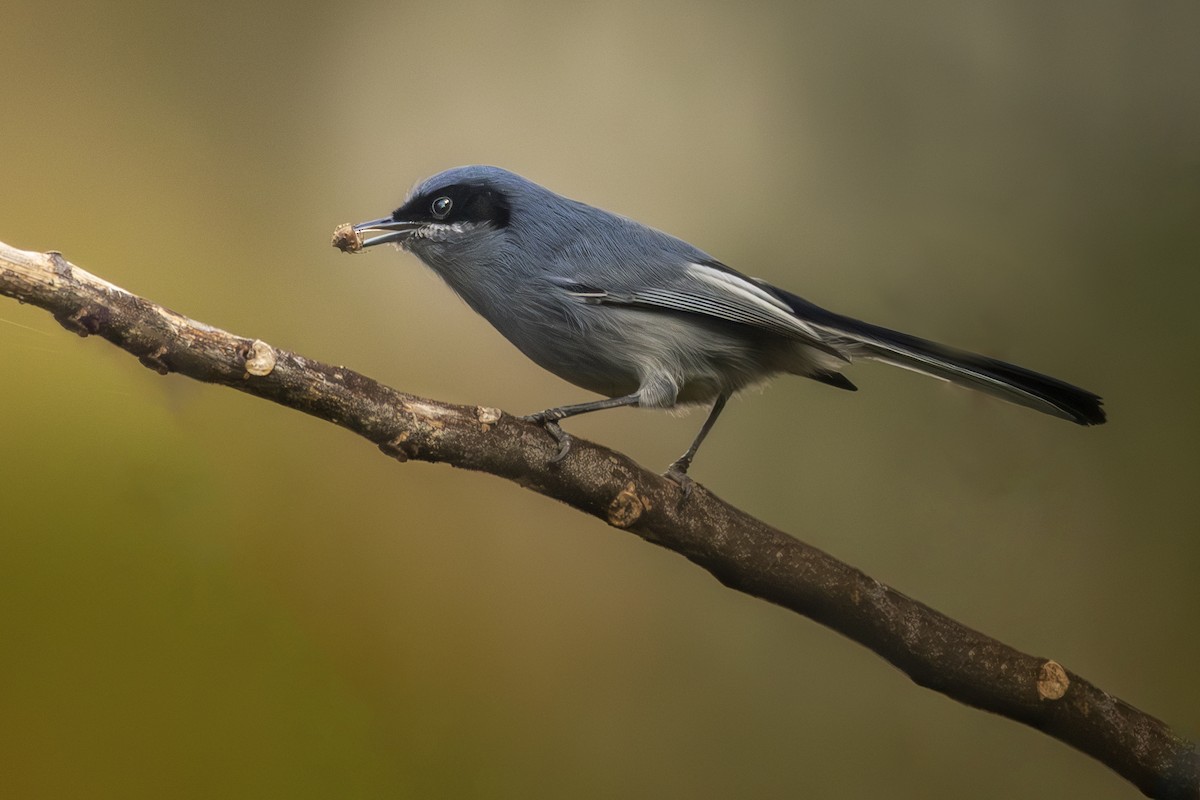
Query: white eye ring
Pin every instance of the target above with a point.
(440, 207)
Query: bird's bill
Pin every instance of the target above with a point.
(387, 230)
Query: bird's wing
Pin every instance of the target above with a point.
(707, 289)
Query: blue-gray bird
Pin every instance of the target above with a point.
(648, 320)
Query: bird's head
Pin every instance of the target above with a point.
(450, 214)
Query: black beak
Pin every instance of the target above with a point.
(389, 230)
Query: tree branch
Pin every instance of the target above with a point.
(740, 551)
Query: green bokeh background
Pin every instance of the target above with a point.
(204, 595)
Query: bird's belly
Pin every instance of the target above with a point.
(667, 358)
(588, 364)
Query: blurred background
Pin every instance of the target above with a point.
(203, 594)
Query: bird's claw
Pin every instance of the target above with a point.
(550, 424)
(678, 472)
(562, 437)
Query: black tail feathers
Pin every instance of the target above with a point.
(998, 378)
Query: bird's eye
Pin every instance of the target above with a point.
(441, 207)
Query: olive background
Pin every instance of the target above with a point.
(206, 595)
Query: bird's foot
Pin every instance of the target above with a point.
(678, 472)
(549, 422)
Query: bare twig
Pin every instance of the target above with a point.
(740, 551)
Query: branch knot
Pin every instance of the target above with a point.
(1052, 682)
(260, 358)
(627, 507)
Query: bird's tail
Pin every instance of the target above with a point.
(998, 378)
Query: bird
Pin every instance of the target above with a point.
(645, 319)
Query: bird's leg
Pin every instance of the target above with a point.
(549, 418)
(678, 471)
